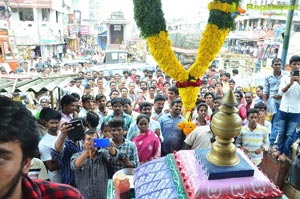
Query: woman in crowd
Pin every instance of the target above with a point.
(105, 130)
(147, 142)
(241, 106)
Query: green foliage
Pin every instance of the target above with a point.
(227, 19)
(149, 17)
(191, 78)
(216, 15)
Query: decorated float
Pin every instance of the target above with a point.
(222, 171)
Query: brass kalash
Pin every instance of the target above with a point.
(226, 124)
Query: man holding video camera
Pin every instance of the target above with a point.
(63, 150)
(289, 111)
(67, 143)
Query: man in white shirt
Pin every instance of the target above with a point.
(77, 88)
(87, 105)
(289, 111)
(47, 142)
(200, 137)
(237, 78)
(158, 106)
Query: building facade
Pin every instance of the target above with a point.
(38, 25)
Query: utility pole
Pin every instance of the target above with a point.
(287, 32)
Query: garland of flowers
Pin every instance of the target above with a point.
(149, 18)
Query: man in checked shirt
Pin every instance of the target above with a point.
(18, 143)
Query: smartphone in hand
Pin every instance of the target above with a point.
(296, 73)
(101, 142)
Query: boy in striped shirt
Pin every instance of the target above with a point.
(254, 138)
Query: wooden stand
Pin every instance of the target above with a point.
(290, 191)
(275, 170)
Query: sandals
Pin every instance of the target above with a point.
(276, 154)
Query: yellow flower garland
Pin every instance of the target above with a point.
(189, 96)
(161, 49)
(211, 42)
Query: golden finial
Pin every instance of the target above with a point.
(226, 125)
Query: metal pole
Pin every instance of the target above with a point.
(14, 86)
(52, 99)
(287, 31)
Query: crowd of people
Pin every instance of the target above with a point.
(140, 115)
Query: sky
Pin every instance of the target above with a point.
(171, 8)
(188, 10)
(178, 8)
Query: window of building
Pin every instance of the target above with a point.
(26, 14)
(56, 14)
(45, 14)
(297, 27)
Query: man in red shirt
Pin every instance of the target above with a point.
(18, 142)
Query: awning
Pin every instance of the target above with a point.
(36, 84)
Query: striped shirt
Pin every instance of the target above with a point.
(92, 178)
(253, 140)
(37, 170)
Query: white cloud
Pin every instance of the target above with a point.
(184, 8)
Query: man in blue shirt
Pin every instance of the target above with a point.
(173, 137)
(272, 98)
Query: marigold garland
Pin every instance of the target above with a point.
(186, 126)
(188, 92)
(189, 96)
(210, 44)
(161, 49)
(149, 18)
